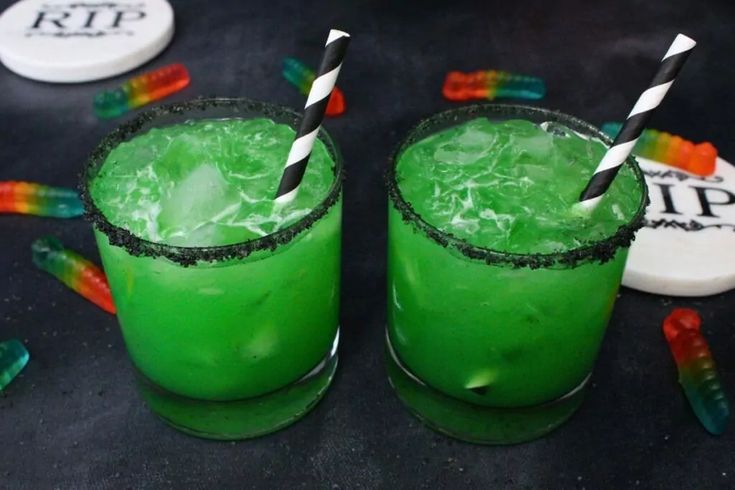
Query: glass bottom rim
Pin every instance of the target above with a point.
(475, 423)
(242, 418)
(415, 378)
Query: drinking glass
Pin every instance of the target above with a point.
(488, 346)
(234, 341)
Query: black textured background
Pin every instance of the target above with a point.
(73, 420)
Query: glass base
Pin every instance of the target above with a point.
(478, 423)
(246, 418)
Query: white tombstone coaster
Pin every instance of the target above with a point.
(78, 41)
(687, 246)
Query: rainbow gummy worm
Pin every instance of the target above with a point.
(13, 358)
(39, 200)
(697, 373)
(301, 77)
(491, 84)
(141, 90)
(73, 270)
(672, 150)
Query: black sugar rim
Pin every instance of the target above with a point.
(187, 256)
(599, 251)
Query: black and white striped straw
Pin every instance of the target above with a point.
(316, 104)
(636, 122)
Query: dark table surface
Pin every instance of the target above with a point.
(73, 419)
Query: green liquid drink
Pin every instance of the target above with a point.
(499, 289)
(228, 302)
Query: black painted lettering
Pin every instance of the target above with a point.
(44, 17)
(126, 16)
(668, 201)
(703, 194)
(90, 18)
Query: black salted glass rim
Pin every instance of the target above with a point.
(601, 250)
(182, 111)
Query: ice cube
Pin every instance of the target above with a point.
(202, 197)
(183, 155)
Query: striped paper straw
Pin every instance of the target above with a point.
(626, 139)
(316, 105)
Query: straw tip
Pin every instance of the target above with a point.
(681, 44)
(336, 34)
(684, 42)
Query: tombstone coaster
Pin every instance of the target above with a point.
(687, 246)
(76, 41)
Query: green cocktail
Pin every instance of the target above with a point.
(228, 302)
(499, 289)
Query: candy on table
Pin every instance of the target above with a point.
(39, 200)
(301, 77)
(697, 373)
(491, 84)
(13, 358)
(73, 270)
(672, 150)
(141, 90)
